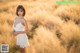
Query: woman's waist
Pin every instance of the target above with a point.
(22, 34)
(17, 30)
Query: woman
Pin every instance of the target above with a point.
(21, 29)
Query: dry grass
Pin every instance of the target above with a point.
(53, 28)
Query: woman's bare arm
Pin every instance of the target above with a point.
(26, 26)
(16, 33)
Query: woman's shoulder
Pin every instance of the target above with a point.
(24, 19)
(16, 17)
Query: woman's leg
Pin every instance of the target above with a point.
(22, 50)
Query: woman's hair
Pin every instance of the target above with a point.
(22, 8)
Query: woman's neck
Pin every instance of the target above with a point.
(20, 16)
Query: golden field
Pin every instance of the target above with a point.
(53, 28)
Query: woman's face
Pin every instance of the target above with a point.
(20, 12)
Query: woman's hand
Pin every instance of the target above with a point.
(16, 33)
(19, 32)
(26, 31)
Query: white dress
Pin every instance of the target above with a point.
(22, 39)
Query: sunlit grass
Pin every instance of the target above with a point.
(53, 28)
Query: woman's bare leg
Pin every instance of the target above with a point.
(22, 50)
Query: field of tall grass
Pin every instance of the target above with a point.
(53, 28)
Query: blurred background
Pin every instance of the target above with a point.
(53, 28)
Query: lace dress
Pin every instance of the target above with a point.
(22, 39)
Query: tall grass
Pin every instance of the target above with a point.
(52, 28)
